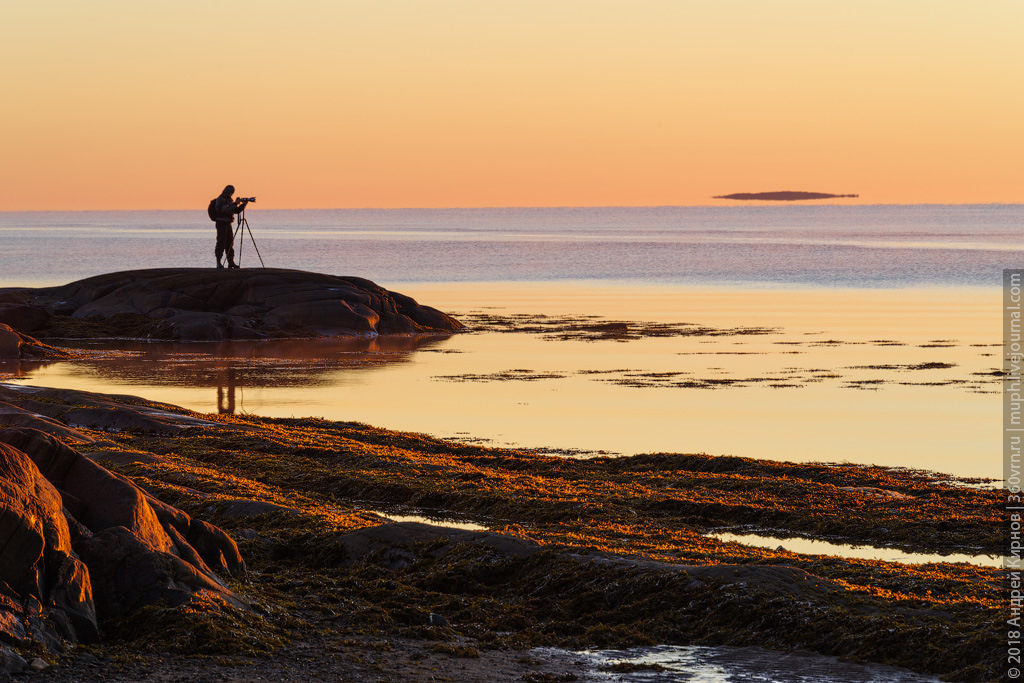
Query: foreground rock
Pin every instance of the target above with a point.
(17, 346)
(197, 304)
(61, 412)
(82, 547)
(580, 553)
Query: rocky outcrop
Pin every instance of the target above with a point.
(82, 547)
(17, 346)
(193, 304)
(61, 412)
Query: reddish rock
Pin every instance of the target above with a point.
(324, 317)
(36, 558)
(71, 595)
(169, 516)
(189, 554)
(17, 346)
(101, 499)
(27, 501)
(129, 550)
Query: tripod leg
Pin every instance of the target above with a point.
(253, 244)
(238, 229)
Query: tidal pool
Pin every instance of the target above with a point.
(808, 546)
(739, 665)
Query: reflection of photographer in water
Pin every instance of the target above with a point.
(226, 384)
(222, 211)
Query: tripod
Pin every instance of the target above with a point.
(243, 227)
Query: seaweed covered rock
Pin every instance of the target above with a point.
(193, 304)
(81, 546)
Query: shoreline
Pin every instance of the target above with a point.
(605, 552)
(821, 368)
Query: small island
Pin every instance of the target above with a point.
(784, 196)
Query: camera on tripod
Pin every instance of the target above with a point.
(246, 199)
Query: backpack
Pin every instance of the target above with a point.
(212, 210)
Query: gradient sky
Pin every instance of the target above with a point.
(428, 103)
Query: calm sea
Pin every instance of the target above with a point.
(886, 325)
(804, 246)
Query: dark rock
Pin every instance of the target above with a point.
(127, 575)
(189, 554)
(23, 318)
(169, 515)
(123, 457)
(77, 530)
(67, 407)
(71, 595)
(10, 343)
(216, 548)
(11, 662)
(254, 508)
(192, 304)
(12, 627)
(15, 416)
(391, 537)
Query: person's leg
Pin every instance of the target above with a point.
(224, 243)
(218, 251)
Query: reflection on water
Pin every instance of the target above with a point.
(741, 665)
(229, 367)
(228, 391)
(880, 377)
(807, 546)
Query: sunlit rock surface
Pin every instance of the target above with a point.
(81, 547)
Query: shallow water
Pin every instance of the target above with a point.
(743, 665)
(887, 322)
(435, 520)
(808, 546)
(883, 377)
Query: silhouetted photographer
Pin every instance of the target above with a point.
(222, 211)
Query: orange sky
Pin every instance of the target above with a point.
(129, 105)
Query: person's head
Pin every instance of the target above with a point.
(229, 190)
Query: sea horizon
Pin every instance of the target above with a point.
(857, 275)
(858, 246)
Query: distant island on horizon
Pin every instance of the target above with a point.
(785, 196)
